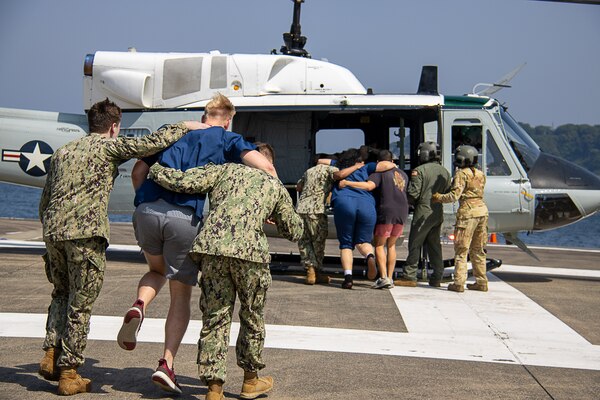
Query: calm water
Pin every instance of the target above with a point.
(22, 202)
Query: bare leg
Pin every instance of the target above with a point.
(365, 249)
(153, 280)
(346, 259)
(391, 255)
(178, 318)
(380, 256)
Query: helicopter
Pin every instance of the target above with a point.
(293, 102)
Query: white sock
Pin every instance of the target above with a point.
(347, 272)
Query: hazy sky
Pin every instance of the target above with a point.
(383, 42)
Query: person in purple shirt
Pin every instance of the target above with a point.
(166, 223)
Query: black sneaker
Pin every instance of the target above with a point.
(127, 337)
(347, 284)
(165, 377)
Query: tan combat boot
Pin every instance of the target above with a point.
(71, 382)
(477, 286)
(323, 279)
(215, 390)
(405, 282)
(456, 288)
(48, 368)
(254, 386)
(311, 275)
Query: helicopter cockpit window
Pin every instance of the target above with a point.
(470, 135)
(181, 76)
(495, 163)
(218, 72)
(526, 150)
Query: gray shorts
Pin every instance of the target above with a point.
(165, 229)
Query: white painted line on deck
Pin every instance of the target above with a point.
(500, 326)
(564, 272)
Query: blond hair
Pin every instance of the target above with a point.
(219, 107)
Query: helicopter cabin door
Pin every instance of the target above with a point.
(503, 187)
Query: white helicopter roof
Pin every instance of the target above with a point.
(186, 80)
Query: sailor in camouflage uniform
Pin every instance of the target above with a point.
(314, 187)
(233, 253)
(73, 211)
(471, 220)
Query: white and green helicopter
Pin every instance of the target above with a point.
(293, 102)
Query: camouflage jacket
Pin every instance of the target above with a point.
(316, 183)
(241, 199)
(74, 202)
(425, 180)
(467, 188)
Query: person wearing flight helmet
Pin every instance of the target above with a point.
(471, 220)
(428, 178)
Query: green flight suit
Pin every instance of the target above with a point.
(233, 253)
(74, 214)
(428, 217)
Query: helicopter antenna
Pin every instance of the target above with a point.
(491, 88)
(294, 41)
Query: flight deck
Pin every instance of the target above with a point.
(534, 335)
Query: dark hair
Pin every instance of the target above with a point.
(266, 150)
(385, 155)
(102, 115)
(348, 158)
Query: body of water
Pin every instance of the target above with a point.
(22, 202)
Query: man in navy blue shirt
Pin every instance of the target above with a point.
(166, 223)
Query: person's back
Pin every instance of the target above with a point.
(434, 178)
(211, 145)
(390, 196)
(471, 204)
(316, 183)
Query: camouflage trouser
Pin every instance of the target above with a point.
(76, 269)
(312, 242)
(221, 279)
(470, 239)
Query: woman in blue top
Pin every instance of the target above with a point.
(354, 211)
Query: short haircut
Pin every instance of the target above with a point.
(266, 150)
(102, 115)
(385, 155)
(219, 107)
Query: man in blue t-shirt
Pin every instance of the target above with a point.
(166, 223)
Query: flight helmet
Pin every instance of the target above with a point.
(465, 156)
(428, 152)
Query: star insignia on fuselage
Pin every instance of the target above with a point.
(35, 158)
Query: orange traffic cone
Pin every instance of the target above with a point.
(493, 238)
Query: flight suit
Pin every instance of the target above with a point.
(471, 224)
(315, 184)
(428, 217)
(74, 214)
(233, 253)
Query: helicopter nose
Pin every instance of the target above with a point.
(565, 192)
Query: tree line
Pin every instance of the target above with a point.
(579, 144)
